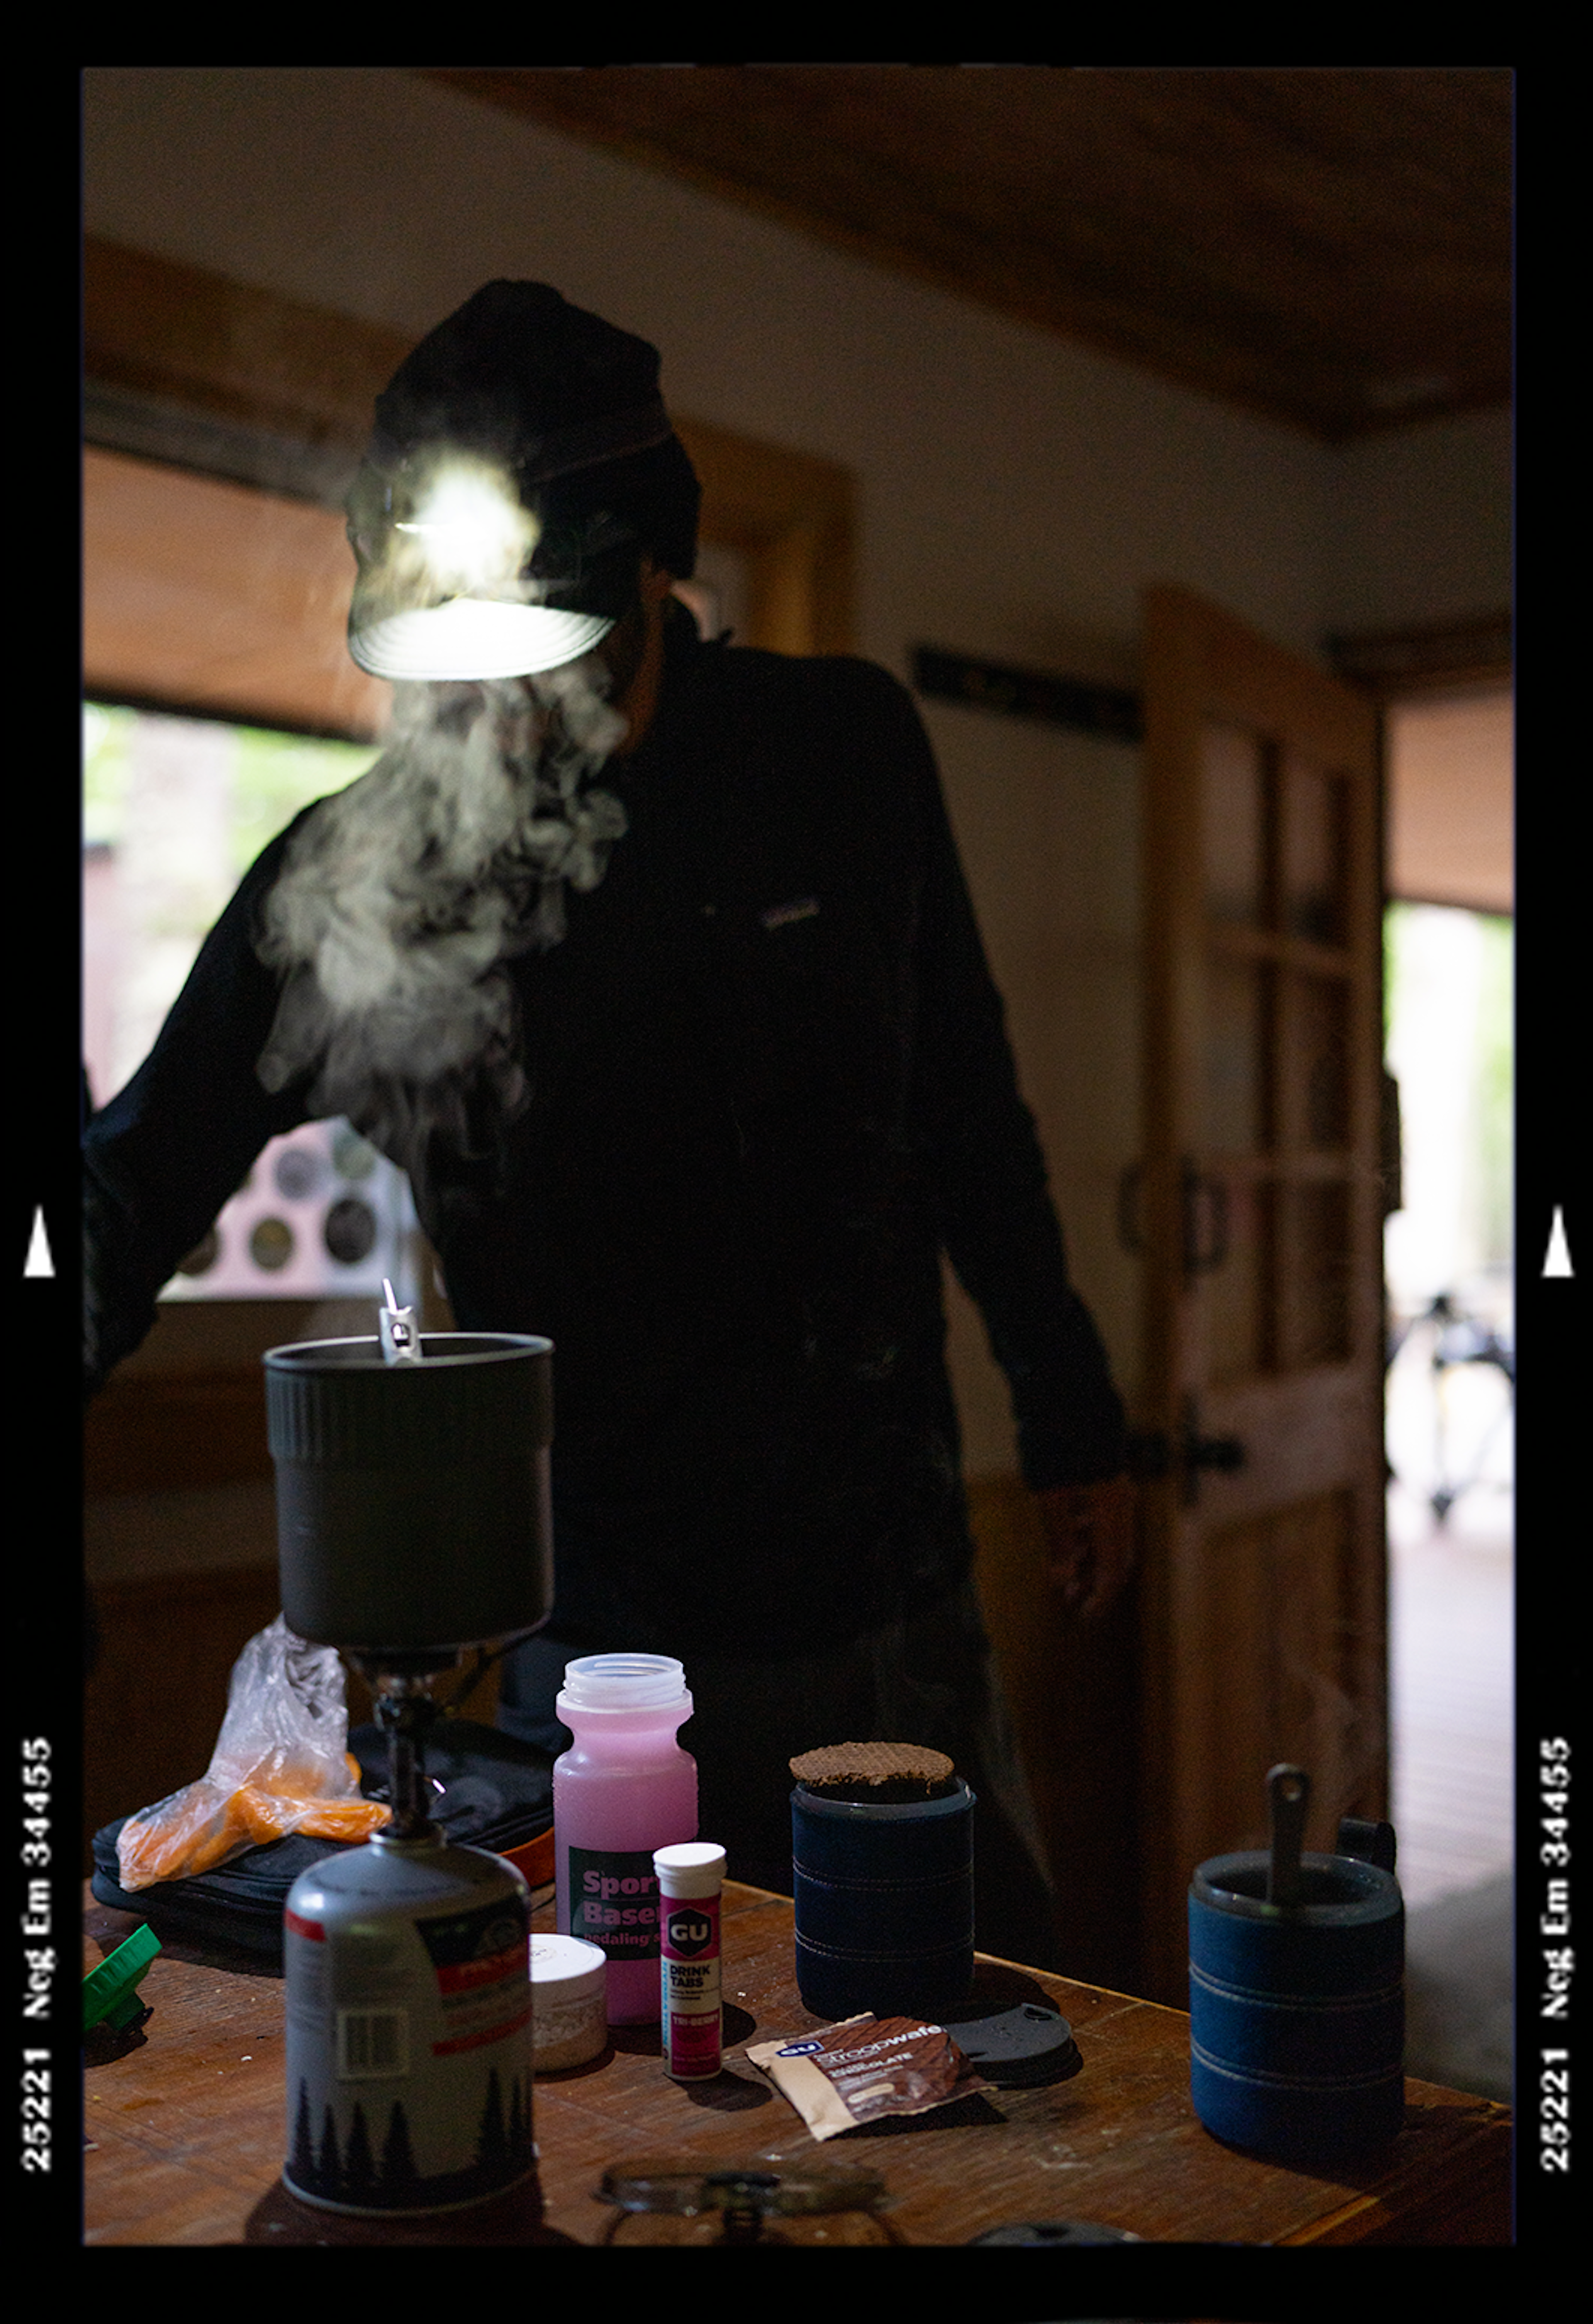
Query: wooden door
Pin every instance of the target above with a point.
(1263, 1594)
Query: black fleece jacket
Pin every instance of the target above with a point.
(769, 1084)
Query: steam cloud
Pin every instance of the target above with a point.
(404, 896)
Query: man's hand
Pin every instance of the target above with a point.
(1090, 1540)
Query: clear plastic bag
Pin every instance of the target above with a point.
(281, 1764)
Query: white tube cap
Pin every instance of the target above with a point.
(689, 1868)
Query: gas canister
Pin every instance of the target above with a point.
(408, 2028)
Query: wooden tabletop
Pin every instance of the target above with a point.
(185, 2129)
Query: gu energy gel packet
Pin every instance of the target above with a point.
(866, 2066)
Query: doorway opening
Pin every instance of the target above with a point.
(1448, 1260)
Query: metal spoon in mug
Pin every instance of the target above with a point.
(1288, 1794)
(400, 1335)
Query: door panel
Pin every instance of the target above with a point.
(1262, 1598)
(1265, 1596)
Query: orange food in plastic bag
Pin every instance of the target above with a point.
(281, 1766)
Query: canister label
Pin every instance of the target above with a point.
(408, 2057)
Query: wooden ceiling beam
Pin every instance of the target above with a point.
(1330, 247)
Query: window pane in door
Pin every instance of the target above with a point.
(1314, 862)
(1232, 823)
(1235, 1111)
(1315, 1062)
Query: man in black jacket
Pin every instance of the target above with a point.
(654, 968)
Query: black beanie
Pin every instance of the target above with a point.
(567, 401)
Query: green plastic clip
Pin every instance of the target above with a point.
(110, 1992)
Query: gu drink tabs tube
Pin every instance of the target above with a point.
(690, 1876)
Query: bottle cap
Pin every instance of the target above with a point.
(110, 1992)
(689, 1868)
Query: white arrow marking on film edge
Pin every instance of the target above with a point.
(1558, 1261)
(41, 1263)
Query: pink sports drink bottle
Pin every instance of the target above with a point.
(624, 1788)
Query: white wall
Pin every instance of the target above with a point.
(1015, 491)
(1420, 525)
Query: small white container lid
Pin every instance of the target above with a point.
(569, 2016)
(689, 1868)
(566, 1969)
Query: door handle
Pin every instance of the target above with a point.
(1204, 1211)
(1205, 1221)
(1199, 1451)
(1204, 1202)
(1152, 1453)
(1149, 1454)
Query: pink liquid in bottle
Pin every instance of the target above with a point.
(624, 1788)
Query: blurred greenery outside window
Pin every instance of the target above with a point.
(272, 777)
(175, 810)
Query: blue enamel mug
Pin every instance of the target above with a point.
(884, 1902)
(1296, 2010)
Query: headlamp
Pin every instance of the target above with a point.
(475, 638)
(445, 587)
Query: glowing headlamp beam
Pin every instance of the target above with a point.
(472, 529)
